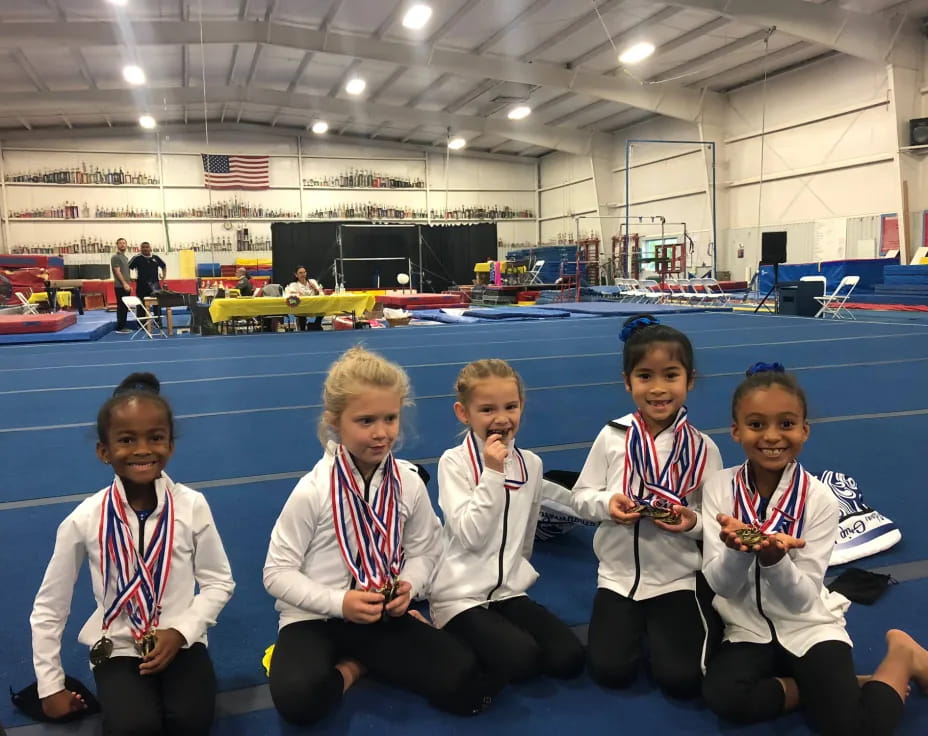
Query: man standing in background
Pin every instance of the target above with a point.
(147, 276)
(120, 265)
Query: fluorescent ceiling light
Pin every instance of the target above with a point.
(417, 16)
(320, 127)
(133, 74)
(517, 113)
(636, 53)
(119, 3)
(355, 86)
(147, 121)
(457, 143)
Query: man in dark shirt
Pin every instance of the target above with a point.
(147, 276)
(119, 264)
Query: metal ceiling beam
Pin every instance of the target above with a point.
(300, 71)
(252, 70)
(131, 130)
(488, 43)
(629, 33)
(76, 100)
(84, 68)
(690, 67)
(569, 30)
(330, 15)
(670, 100)
(29, 70)
(874, 37)
(397, 73)
(230, 77)
(343, 79)
(578, 111)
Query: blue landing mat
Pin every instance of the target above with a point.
(89, 326)
(551, 312)
(629, 308)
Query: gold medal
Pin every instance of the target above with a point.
(389, 590)
(101, 651)
(656, 512)
(146, 644)
(750, 535)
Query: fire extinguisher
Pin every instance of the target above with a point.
(740, 250)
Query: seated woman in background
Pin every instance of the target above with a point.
(244, 285)
(305, 287)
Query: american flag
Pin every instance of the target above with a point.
(236, 172)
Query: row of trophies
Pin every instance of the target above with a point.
(71, 211)
(233, 209)
(363, 179)
(86, 245)
(82, 175)
(367, 211)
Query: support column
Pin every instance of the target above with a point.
(602, 160)
(911, 166)
(715, 166)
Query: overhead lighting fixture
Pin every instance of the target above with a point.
(119, 3)
(320, 127)
(133, 74)
(457, 143)
(519, 112)
(637, 52)
(355, 86)
(147, 122)
(417, 16)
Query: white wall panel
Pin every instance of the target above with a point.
(561, 168)
(572, 199)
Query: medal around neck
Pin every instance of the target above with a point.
(101, 651)
(146, 645)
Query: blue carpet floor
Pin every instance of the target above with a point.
(247, 408)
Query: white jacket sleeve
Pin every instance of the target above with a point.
(212, 572)
(531, 523)
(422, 543)
(591, 493)
(726, 569)
(53, 604)
(797, 579)
(290, 541)
(472, 516)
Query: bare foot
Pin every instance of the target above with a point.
(351, 670)
(418, 616)
(897, 639)
(863, 680)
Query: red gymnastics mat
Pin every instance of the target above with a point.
(416, 301)
(21, 324)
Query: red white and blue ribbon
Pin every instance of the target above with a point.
(375, 524)
(787, 516)
(138, 581)
(682, 473)
(476, 463)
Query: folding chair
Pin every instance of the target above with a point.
(148, 323)
(535, 273)
(28, 307)
(834, 304)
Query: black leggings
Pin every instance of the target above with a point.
(516, 639)
(741, 686)
(176, 702)
(674, 627)
(401, 651)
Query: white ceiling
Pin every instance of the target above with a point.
(282, 64)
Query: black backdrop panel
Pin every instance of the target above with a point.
(449, 253)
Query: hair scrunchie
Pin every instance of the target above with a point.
(293, 300)
(635, 325)
(766, 368)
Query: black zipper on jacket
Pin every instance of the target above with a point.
(631, 592)
(142, 520)
(502, 547)
(760, 607)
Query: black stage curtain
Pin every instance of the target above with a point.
(448, 253)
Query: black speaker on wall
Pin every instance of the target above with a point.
(918, 131)
(773, 248)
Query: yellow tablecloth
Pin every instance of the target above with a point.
(222, 310)
(64, 298)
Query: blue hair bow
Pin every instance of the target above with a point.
(634, 325)
(766, 368)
